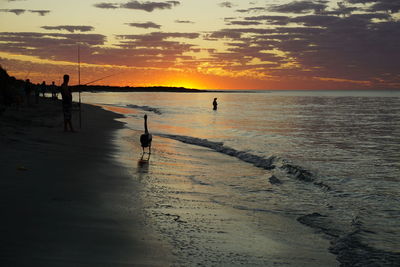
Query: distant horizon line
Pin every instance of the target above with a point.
(216, 89)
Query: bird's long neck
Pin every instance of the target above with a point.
(145, 126)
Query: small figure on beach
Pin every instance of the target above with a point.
(37, 93)
(53, 89)
(67, 104)
(215, 104)
(28, 91)
(146, 138)
(19, 94)
(43, 89)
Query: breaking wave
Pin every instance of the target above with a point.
(261, 162)
(145, 108)
(272, 162)
(349, 247)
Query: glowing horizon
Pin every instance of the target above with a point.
(205, 45)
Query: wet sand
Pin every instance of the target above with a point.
(203, 223)
(65, 201)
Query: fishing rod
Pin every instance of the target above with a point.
(29, 72)
(103, 78)
(79, 83)
(79, 86)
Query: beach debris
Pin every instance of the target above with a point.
(274, 180)
(177, 218)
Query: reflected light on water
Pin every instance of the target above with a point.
(120, 110)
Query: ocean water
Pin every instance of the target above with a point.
(328, 160)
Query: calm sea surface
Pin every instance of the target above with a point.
(348, 142)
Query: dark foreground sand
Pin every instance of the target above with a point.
(64, 200)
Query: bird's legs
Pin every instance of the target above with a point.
(143, 152)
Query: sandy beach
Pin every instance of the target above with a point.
(64, 199)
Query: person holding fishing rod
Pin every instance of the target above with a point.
(67, 104)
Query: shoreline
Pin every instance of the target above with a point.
(203, 227)
(65, 199)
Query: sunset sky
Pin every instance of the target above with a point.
(206, 44)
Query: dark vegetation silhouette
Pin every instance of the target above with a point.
(105, 88)
(11, 91)
(14, 92)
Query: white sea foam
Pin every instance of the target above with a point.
(261, 162)
(145, 108)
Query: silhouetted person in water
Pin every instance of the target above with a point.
(215, 104)
(67, 104)
(146, 138)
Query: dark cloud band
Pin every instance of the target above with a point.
(226, 4)
(40, 12)
(300, 7)
(137, 5)
(145, 25)
(22, 11)
(69, 28)
(15, 11)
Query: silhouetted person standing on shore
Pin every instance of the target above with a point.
(67, 104)
(215, 104)
(37, 93)
(28, 91)
(53, 90)
(43, 89)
